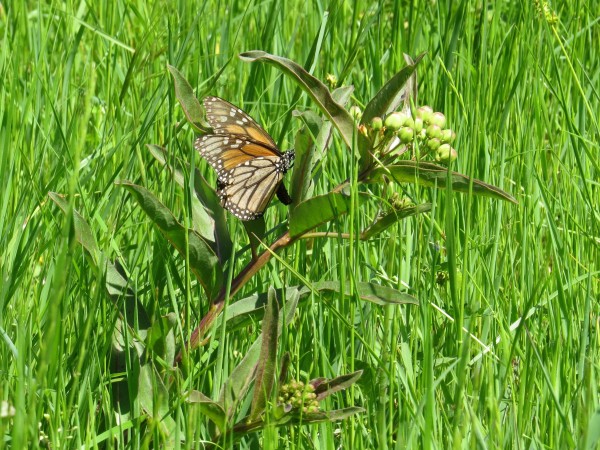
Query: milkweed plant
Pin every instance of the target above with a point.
(395, 142)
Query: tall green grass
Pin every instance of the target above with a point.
(84, 86)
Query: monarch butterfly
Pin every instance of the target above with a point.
(249, 165)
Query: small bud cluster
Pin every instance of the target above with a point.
(441, 277)
(544, 10)
(299, 396)
(399, 203)
(425, 126)
(331, 80)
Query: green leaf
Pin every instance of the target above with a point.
(209, 408)
(188, 101)
(203, 261)
(393, 94)
(432, 175)
(119, 288)
(117, 284)
(397, 91)
(125, 354)
(326, 416)
(209, 199)
(203, 223)
(83, 231)
(235, 388)
(316, 211)
(208, 214)
(593, 431)
(253, 307)
(161, 338)
(154, 399)
(311, 145)
(305, 149)
(255, 229)
(265, 371)
(391, 218)
(371, 292)
(313, 87)
(324, 389)
(242, 428)
(238, 383)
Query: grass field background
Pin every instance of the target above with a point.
(84, 86)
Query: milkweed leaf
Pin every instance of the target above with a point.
(324, 388)
(116, 283)
(83, 231)
(209, 408)
(203, 260)
(393, 93)
(253, 307)
(313, 87)
(207, 213)
(188, 101)
(265, 371)
(392, 217)
(432, 175)
(316, 211)
(238, 383)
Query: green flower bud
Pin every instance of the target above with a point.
(331, 79)
(434, 131)
(409, 122)
(377, 123)
(453, 154)
(445, 154)
(418, 125)
(448, 136)
(356, 112)
(433, 144)
(438, 119)
(425, 113)
(395, 121)
(406, 135)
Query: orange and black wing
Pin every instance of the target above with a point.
(228, 119)
(226, 152)
(249, 165)
(247, 189)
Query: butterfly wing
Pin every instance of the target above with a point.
(225, 152)
(228, 119)
(247, 189)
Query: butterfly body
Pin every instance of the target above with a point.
(249, 166)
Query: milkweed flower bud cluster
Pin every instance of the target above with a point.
(399, 203)
(425, 127)
(299, 396)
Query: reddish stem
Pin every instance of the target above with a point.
(242, 278)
